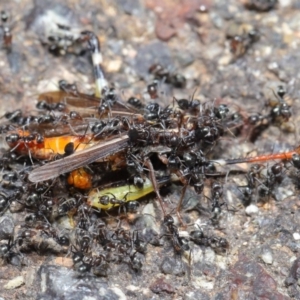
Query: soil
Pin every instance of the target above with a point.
(193, 38)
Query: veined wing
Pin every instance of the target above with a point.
(79, 159)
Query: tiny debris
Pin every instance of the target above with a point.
(63, 261)
(160, 286)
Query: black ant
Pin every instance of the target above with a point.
(242, 37)
(152, 90)
(252, 181)
(83, 240)
(82, 264)
(216, 194)
(261, 5)
(135, 262)
(180, 244)
(112, 201)
(275, 176)
(4, 203)
(8, 254)
(135, 102)
(65, 206)
(63, 239)
(295, 174)
(152, 111)
(100, 265)
(219, 245)
(160, 73)
(139, 244)
(280, 113)
(188, 105)
(70, 88)
(6, 31)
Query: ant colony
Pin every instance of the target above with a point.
(106, 166)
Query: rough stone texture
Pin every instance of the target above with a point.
(62, 283)
(193, 42)
(6, 227)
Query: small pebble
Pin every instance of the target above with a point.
(267, 257)
(160, 286)
(119, 292)
(251, 210)
(173, 266)
(113, 66)
(14, 283)
(296, 236)
(6, 227)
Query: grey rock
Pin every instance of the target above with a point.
(196, 295)
(154, 52)
(62, 283)
(6, 227)
(171, 265)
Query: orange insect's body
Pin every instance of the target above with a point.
(50, 147)
(80, 179)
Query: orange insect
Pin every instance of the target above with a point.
(46, 148)
(106, 151)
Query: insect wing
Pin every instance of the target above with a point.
(72, 127)
(79, 159)
(86, 105)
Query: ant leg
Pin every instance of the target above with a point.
(149, 165)
(179, 205)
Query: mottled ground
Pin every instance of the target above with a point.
(189, 37)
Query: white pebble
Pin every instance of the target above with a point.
(285, 3)
(267, 257)
(251, 210)
(296, 236)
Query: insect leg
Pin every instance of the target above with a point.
(180, 203)
(149, 165)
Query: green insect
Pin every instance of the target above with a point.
(111, 197)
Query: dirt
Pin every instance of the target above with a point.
(192, 38)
